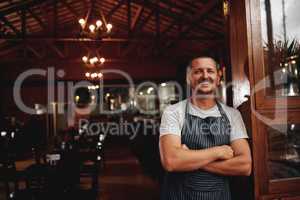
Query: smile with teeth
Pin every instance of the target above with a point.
(204, 83)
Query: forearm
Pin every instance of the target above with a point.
(189, 160)
(237, 166)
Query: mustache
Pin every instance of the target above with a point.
(205, 80)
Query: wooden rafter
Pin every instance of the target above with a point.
(140, 26)
(198, 18)
(190, 4)
(137, 32)
(171, 25)
(175, 5)
(157, 19)
(114, 9)
(23, 22)
(57, 50)
(18, 6)
(7, 23)
(55, 16)
(124, 39)
(55, 61)
(178, 18)
(202, 15)
(90, 10)
(129, 17)
(137, 17)
(102, 16)
(68, 6)
(170, 20)
(37, 18)
(35, 52)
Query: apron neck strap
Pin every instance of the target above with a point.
(221, 110)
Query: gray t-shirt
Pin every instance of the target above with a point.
(173, 118)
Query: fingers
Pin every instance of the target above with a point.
(225, 152)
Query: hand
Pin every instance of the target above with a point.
(224, 152)
(184, 147)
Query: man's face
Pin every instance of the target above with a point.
(204, 76)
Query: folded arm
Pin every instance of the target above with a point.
(239, 165)
(176, 158)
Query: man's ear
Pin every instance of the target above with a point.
(188, 78)
(220, 74)
(188, 81)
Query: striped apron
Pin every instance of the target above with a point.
(198, 133)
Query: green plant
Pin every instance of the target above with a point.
(283, 50)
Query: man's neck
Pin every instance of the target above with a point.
(203, 103)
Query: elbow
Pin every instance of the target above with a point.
(169, 164)
(170, 160)
(247, 168)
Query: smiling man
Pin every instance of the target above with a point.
(202, 141)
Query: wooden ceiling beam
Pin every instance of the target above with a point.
(198, 19)
(7, 23)
(23, 22)
(191, 4)
(175, 5)
(114, 9)
(156, 45)
(178, 18)
(57, 50)
(77, 60)
(129, 17)
(35, 52)
(68, 6)
(18, 6)
(136, 32)
(201, 15)
(90, 10)
(55, 17)
(102, 16)
(157, 19)
(22, 14)
(140, 27)
(37, 18)
(171, 25)
(115, 39)
(137, 17)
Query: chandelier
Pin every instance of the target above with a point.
(95, 30)
(93, 61)
(93, 75)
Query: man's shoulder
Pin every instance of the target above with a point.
(177, 107)
(230, 110)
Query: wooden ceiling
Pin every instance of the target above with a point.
(140, 27)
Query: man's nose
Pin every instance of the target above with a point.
(205, 74)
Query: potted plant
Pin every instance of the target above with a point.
(285, 56)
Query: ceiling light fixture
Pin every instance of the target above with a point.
(93, 75)
(92, 27)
